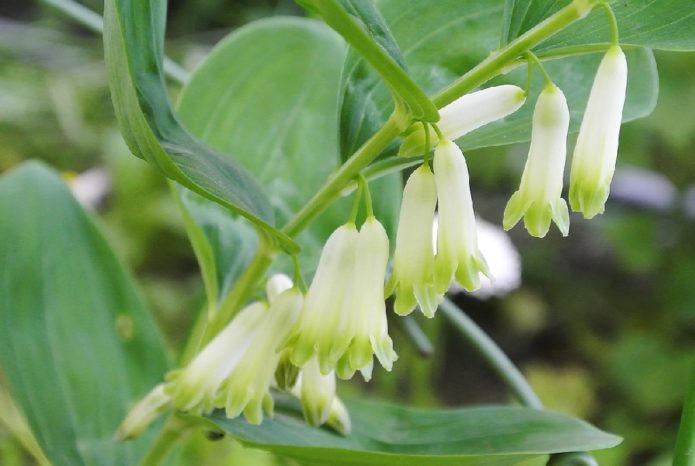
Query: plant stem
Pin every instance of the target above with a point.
(94, 22)
(489, 67)
(241, 290)
(347, 173)
(509, 373)
(171, 432)
(492, 353)
(684, 454)
(417, 336)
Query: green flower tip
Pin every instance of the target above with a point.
(537, 215)
(590, 201)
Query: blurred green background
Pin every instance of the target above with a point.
(603, 324)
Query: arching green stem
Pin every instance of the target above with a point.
(615, 33)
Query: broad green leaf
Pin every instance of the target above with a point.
(133, 45)
(77, 345)
(657, 24)
(385, 434)
(522, 15)
(442, 43)
(269, 92)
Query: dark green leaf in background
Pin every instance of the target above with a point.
(133, 43)
(657, 24)
(77, 345)
(522, 15)
(385, 434)
(370, 16)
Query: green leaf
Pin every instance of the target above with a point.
(268, 92)
(385, 434)
(522, 15)
(77, 345)
(442, 43)
(657, 24)
(133, 45)
(363, 27)
(367, 12)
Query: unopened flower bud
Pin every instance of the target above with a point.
(593, 162)
(465, 114)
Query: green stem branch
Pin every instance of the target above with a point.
(241, 291)
(615, 33)
(489, 68)
(347, 173)
(492, 353)
(417, 336)
(172, 431)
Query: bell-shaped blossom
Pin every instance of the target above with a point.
(465, 114)
(316, 392)
(539, 199)
(144, 412)
(413, 262)
(596, 151)
(343, 321)
(236, 368)
(320, 404)
(321, 314)
(367, 316)
(458, 254)
(246, 388)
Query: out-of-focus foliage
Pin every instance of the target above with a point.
(603, 324)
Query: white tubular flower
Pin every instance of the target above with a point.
(286, 373)
(236, 368)
(339, 418)
(466, 114)
(596, 151)
(142, 415)
(458, 254)
(320, 404)
(316, 392)
(321, 317)
(539, 199)
(413, 262)
(195, 387)
(344, 320)
(366, 329)
(246, 388)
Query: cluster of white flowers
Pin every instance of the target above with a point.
(593, 162)
(300, 343)
(236, 370)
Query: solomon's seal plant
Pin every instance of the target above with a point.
(259, 186)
